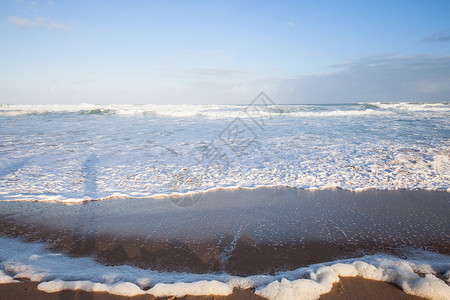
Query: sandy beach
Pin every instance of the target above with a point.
(241, 232)
(270, 150)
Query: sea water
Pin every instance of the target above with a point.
(89, 152)
(74, 153)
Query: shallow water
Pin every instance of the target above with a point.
(243, 231)
(80, 152)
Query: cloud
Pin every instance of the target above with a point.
(38, 22)
(22, 22)
(385, 78)
(53, 26)
(375, 78)
(212, 55)
(217, 72)
(207, 73)
(32, 4)
(440, 37)
(291, 24)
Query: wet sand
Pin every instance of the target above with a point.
(242, 232)
(346, 289)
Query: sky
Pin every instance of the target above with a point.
(223, 52)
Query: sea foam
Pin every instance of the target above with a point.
(76, 153)
(57, 272)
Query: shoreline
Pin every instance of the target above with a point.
(199, 193)
(242, 232)
(346, 289)
(239, 233)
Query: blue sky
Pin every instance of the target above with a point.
(223, 51)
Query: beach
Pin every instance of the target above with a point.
(271, 201)
(243, 232)
(224, 150)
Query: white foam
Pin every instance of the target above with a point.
(4, 278)
(57, 272)
(64, 181)
(409, 106)
(82, 285)
(199, 288)
(173, 111)
(128, 289)
(447, 276)
(322, 280)
(80, 157)
(339, 113)
(214, 111)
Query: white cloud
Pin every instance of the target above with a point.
(32, 4)
(375, 78)
(385, 78)
(213, 73)
(291, 24)
(440, 37)
(38, 22)
(21, 22)
(53, 26)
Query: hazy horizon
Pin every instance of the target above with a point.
(226, 104)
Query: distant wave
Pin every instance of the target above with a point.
(179, 111)
(408, 106)
(224, 111)
(339, 113)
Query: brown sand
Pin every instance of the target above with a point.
(241, 232)
(347, 289)
(358, 288)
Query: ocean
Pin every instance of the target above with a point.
(85, 152)
(175, 200)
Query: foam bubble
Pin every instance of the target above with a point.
(429, 287)
(181, 289)
(60, 285)
(447, 275)
(59, 272)
(4, 278)
(321, 281)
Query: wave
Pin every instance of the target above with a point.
(48, 158)
(49, 180)
(193, 194)
(409, 106)
(57, 272)
(179, 111)
(224, 111)
(340, 113)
